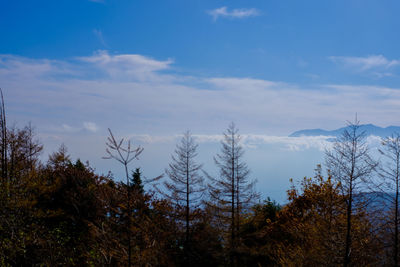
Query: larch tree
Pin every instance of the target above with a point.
(125, 153)
(232, 191)
(389, 171)
(185, 185)
(309, 228)
(115, 149)
(351, 165)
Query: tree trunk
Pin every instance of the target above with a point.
(396, 219)
(347, 258)
(187, 199)
(233, 262)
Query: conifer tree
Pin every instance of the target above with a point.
(231, 192)
(136, 181)
(185, 184)
(390, 182)
(351, 165)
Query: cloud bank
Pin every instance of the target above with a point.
(255, 141)
(142, 95)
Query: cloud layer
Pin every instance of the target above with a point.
(141, 95)
(74, 101)
(249, 141)
(254, 141)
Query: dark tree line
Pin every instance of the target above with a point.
(61, 213)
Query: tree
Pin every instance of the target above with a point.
(258, 242)
(232, 192)
(3, 138)
(69, 207)
(136, 182)
(186, 184)
(351, 165)
(309, 228)
(124, 155)
(390, 174)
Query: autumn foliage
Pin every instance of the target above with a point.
(61, 212)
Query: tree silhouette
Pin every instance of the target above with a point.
(124, 155)
(231, 192)
(185, 184)
(351, 165)
(389, 171)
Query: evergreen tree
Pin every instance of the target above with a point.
(185, 184)
(136, 181)
(232, 192)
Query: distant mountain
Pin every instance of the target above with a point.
(369, 129)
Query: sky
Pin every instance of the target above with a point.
(150, 70)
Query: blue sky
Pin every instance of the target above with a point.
(277, 40)
(152, 69)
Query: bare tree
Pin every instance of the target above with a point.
(350, 164)
(232, 191)
(390, 174)
(124, 155)
(185, 184)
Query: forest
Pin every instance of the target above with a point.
(60, 212)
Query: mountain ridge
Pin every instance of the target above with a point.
(370, 129)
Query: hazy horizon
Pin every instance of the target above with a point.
(151, 72)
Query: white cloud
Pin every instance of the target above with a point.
(133, 96)
(127, 61)
(374, 141)
(230, 83)
(378, 64)
(238, 13)
(152, 139)
(290, 143)
(251, 141)
(47, 91)
(127, 65)
(16, 67)
(90, 126)
(68, 129)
